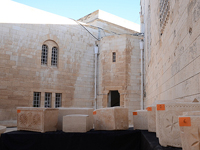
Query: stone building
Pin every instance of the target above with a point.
(49, 61)
(171, 46)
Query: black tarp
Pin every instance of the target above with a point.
(98, 140)
(149, 141)
(92, 140)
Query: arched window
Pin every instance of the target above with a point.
(44, 55)
(54, 56)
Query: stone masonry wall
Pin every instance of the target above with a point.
(21, 72)
(172, 71)
(122, 75)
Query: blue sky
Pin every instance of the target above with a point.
(75, 9)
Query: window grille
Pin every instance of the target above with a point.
(36, 99)
(58, 100)
(114, 56)
(164, 14)
(44, 55)
(54, 56)
(47, 102)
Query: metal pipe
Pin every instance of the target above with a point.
(142, 74)
(96, 50)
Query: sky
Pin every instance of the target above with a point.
(75, 9)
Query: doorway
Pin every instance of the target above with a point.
(113, 99)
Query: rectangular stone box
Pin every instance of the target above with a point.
(151, 115)
(189, 124)
(76, 123)
(112, 118)
(37, 119)
(167, 123)
(69, 111)
(140, 120)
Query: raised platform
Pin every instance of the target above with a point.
(98, 140)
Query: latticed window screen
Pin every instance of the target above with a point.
(114, 57)
(47, 102)
(54, 56)
(164, 14)
(36, 99)
(58, 100)
(44, 55)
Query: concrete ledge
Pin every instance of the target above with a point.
(9, 123)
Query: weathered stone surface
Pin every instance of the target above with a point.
(37, 119)
(189, 124)
(123, 75)
(2, 129)
(113, 118)
(76, 123)
(151, 114)
(22, 74)
(140, 120)
(167, 121)
(68, 111)
(172, 58)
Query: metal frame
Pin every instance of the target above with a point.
(47, 102)
(58, 99)
(44, 55)
(54, 56)
(36, 99)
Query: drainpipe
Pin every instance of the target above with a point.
(96, 50)
(142, 74)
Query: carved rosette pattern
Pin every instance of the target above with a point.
(195, 138)
(162, 133)
(171, 128)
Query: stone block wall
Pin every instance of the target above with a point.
(122, 75)
(172, 71)
(21, 72)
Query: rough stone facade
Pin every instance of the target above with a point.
(22, 74)
(123, 75)
(172, 55)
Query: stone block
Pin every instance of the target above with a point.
(151, 115)
(76, 123)
(37, 119)
(189, 124)
(69, 111)
(2, 129)
(112, 118)
(140, 120)
(167, 121)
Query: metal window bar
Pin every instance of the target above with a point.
(44, 55)
(114, 56)
(164, 13)
(58, 100)
(36, 99)
(47, 102)
(54, 56)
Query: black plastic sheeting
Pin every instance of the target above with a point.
(98, 140)
(92, 140)
(149, 141)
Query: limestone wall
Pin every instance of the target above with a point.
(21, 72)
(122, 75)
(173, 57)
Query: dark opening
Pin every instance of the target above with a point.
(115, 98)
